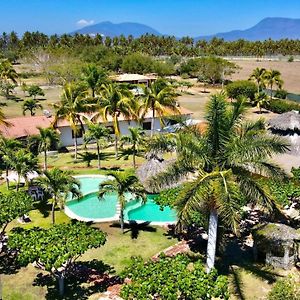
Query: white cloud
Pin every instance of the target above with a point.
(83, 22)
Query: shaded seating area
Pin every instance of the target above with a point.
(278, 244)
(288, 126)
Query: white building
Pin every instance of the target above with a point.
(22, 127)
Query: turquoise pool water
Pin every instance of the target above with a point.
(90, 207)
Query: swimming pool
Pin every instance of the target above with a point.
(90, 208)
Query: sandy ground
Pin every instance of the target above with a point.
(290, 72)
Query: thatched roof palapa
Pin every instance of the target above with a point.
(286, 121)
(152, 167)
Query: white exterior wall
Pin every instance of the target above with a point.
(66, 132)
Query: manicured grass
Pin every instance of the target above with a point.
(144, 241)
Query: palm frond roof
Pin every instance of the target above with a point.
(286, 121)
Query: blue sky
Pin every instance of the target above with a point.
(177, 17)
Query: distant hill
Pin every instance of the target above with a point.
(112, 30)
(274, 28)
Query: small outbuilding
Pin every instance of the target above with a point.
(287, 125)
(278, 243)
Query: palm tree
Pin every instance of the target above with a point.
(98, 133)
(31, 105)
(73, 103)
(122, 183)
(136, 138)
(94, 77)
(7, 71)
(273, 77)
(115, 101)
(59, 184)
(160, 99)
(47, 138)
(226, 161)
(259, 77)
(261, 99)
(22, 162)
(7, 148)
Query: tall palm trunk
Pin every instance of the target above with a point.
(53, 210)
(6, 175)
(61, 284)
(116, 146)
(212, 240)
(98, 155)
(133, 156)
(75, 145)
(122, 219)
(18, 183)
(152, 121)
(45, 160)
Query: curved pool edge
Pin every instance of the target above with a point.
(116, 217)
(72, 215)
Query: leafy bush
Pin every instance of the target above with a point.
(281, 94)
(172, 278)
(137, 63)
(285, 289)
(281, 106)
(241, 88)
(291, 58)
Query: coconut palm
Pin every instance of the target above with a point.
(73, 103)
(7, 147)
(160, 99)
(136, 138)
(22, 162)
(47, 138)
(259, 77)
(7, 75)
(59, 184)
(116, 101)
(122, 184)
(261, 99)
(31, 105)
(7, 71)
(100, 134)
(225, 161)
(273, 78)
(94, 77)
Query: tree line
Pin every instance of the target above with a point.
(12, 46)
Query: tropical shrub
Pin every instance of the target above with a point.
(281, 94)
(285, 289)
(172, 278)
(281, 106)
(241, 88)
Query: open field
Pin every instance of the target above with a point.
(290, 72)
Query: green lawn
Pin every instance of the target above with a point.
(144, 241)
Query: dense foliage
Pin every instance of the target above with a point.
(241, 88)
(287, 288)
(13, 205)
(172, 278)
(56, 246)
(281, 106)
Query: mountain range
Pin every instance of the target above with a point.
(274, 28)
(112, 30)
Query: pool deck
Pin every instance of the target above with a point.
(116, 217)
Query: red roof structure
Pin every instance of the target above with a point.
(21, 127)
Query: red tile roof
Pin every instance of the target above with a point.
(24, 126)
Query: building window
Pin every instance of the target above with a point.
(79, 133)
(146, 125)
